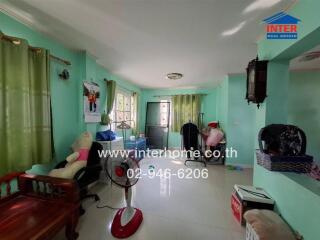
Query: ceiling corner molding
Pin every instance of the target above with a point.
(8, 10)
(5, 9)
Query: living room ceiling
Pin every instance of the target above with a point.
(143, 40)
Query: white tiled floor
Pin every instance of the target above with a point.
(173, 209)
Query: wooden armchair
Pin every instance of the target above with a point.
(40, 208)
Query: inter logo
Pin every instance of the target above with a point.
(282, 26)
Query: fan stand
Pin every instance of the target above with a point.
(127, 220)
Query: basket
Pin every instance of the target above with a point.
(297, 164)
(250, 233)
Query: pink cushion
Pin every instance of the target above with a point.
(215, 136)
(83, 154)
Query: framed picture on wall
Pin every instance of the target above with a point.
(91, 102)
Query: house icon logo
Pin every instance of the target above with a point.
(282, 26)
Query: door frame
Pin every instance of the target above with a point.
(168, 124)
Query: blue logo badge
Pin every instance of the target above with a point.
(282, 26)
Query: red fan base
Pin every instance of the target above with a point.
(130, 228)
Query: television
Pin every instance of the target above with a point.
(256, 81)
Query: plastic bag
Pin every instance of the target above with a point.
(105, 136)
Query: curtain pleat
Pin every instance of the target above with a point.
(111, 93)
(185, 108)
(25, 123)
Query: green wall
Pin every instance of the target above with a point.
(226, 103)
(297, 199)
(97, 73)
(222, 103)
(237, 119)
(64, 94)
(297, 196)
(67, 100)
(208, 106)
(304, 107)
(241, 118)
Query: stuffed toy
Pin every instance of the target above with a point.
(76, 160)
(268, 225)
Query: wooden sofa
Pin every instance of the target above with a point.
(40, 208)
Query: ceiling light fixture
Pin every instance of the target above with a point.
(234, 30)
(174, 76)
(310, 56)
(260, 4)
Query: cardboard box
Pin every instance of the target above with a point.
(245, 198)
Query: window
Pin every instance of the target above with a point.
(124, 109)
(164, 112)
(134, 109)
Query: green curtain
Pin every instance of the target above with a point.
(135, 129)
(111, 93)
(185, 108)
(25, 114)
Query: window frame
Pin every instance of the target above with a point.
(115, 110)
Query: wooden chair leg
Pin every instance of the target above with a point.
(71, 233)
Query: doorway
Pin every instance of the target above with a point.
(157, 124)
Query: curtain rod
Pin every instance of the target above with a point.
(202, 94)
(66, 62)
(121, 87)
(17, 41)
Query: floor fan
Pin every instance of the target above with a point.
(124, 173)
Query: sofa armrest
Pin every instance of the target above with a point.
(59, 189)
(5, 182)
